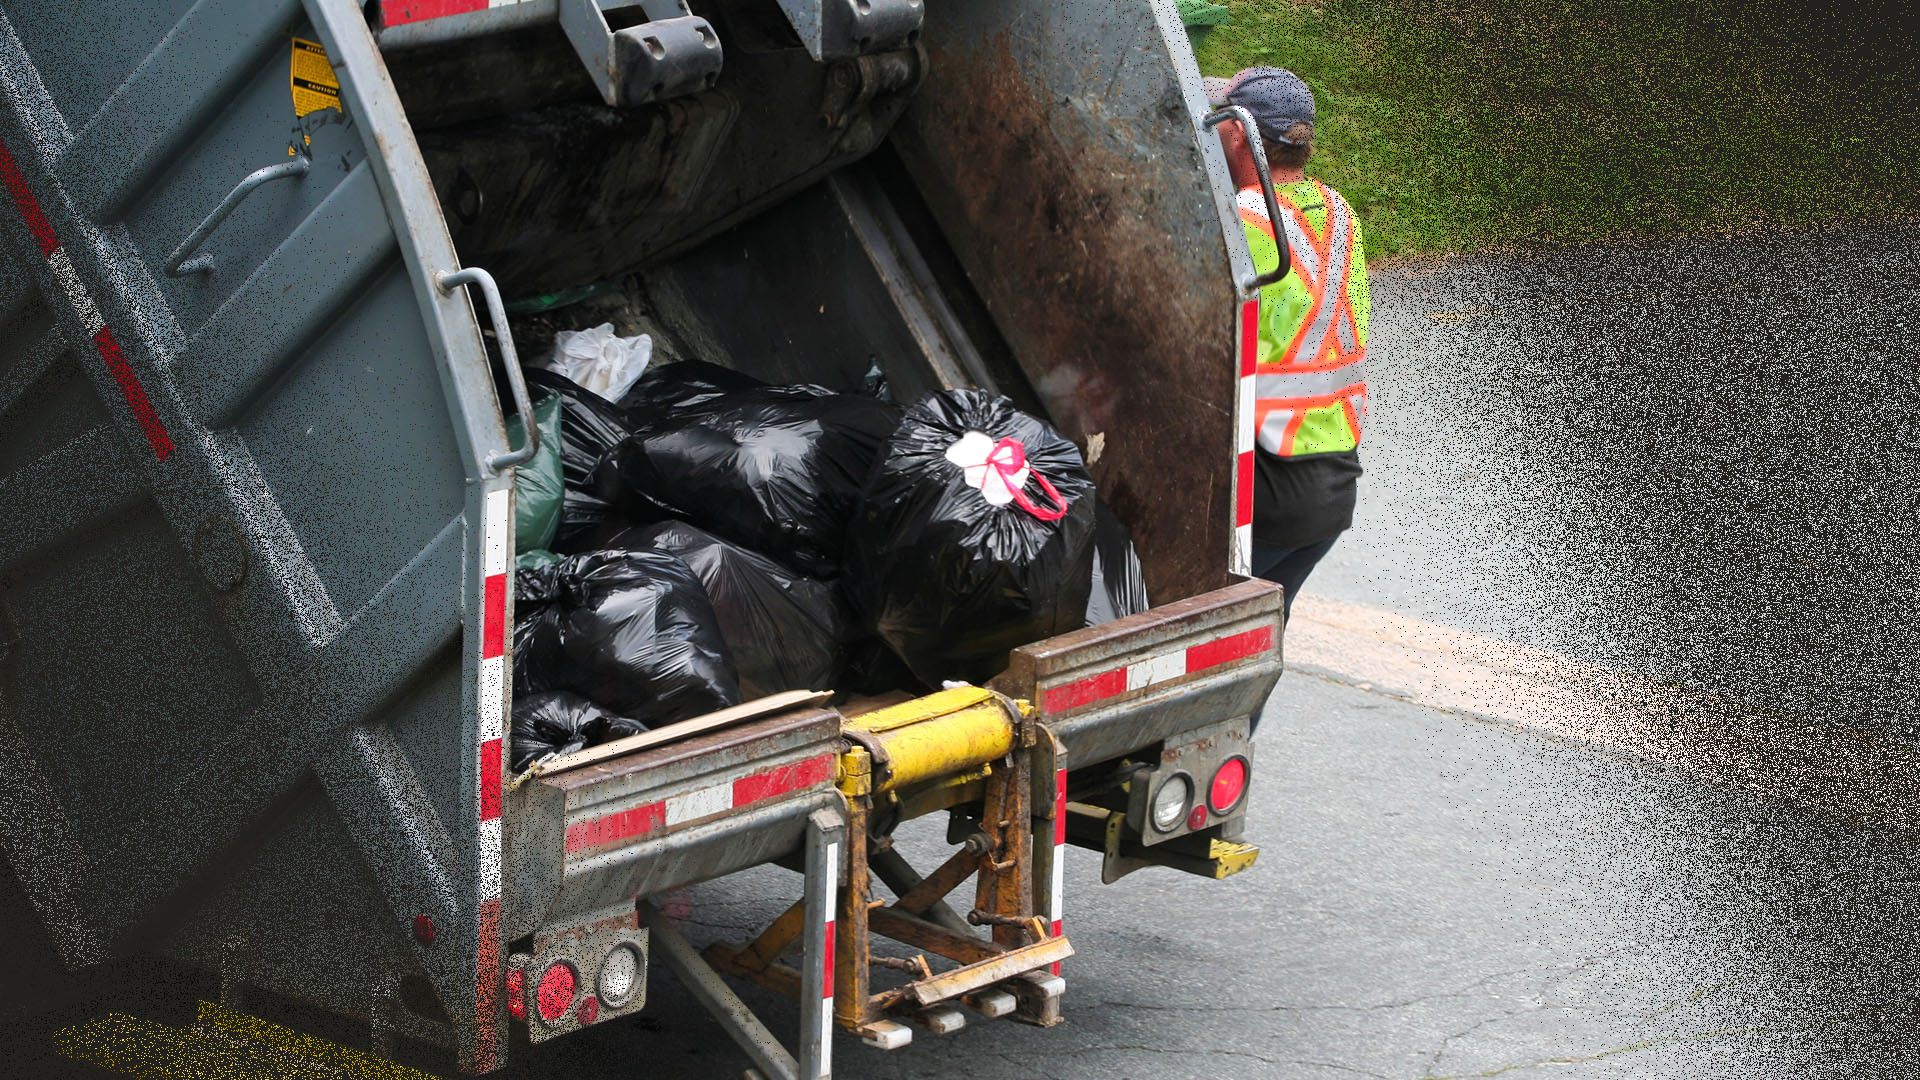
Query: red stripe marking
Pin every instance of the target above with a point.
(615, 827)
(827, 983)
(1243, 491)
(400, 12)
(751, 789)
(1056, 933)
(1223, 650)
(149, 421)
(1085, 691)
(1249, 335)
(486, 994)
(489, 779)
(24, 201)
(1059, 809)
(493, 619)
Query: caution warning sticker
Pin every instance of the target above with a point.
(315, 86)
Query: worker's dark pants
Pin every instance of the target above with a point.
(1289, 567)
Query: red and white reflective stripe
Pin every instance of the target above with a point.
(692, 806)
(1156, 669)
(1059, 853)
(826, 1009)
(1244, 403)
(491, 704)
(399, 12)
(83, 305)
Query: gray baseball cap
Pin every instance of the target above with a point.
(1276, 97)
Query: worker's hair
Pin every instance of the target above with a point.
(1282, 156)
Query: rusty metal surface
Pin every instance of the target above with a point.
(985, 973)
(546, 881)
(1136, 719)
(1057, 145)
(1148, 631)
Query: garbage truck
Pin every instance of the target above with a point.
(265, 263)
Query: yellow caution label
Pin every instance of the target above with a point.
(315, 86)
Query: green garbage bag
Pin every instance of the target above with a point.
(1200, 13)
(532, 560)
(538, 490)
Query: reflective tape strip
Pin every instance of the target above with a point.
(490, 766)
(1157, 669)
(831, 901)
(1334, 284)
(695, 805)
(680, 809)
(1306, 384)
(401, 12)
(83, 306)
(1246, 403)
(1059, 855)
(76, 291)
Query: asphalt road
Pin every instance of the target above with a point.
(1594, 755)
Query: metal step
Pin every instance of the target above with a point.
(222, 1043)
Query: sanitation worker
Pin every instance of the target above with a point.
(1309, 384)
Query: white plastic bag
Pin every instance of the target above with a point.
(600, 360)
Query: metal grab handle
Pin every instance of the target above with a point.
(1252, 285)
(497, 312)
(177, 263)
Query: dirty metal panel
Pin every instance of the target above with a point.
(676, 813)
(1057, 145)
(1116, 688)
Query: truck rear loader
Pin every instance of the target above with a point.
(263, 265)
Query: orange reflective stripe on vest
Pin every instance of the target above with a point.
(1321, 366)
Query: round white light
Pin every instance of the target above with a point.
(618, 973)
(1170, 802)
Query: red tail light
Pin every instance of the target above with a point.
(1229, 784)
(555, 995)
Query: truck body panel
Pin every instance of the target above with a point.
(255, 533)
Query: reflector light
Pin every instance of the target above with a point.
(517, 994)
(1229, 783)
(619, 973)
(555, 995)
(1198, 819)
(1170, 802)
(589, 1010)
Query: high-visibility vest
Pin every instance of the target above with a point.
(1310, 386)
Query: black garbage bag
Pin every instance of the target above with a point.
(632, 631)
(974, 536)
(1119, 585)
(590, 425)
(783, 629)
(558, 722)
(667, 388)
(775, 470)
(872, 667)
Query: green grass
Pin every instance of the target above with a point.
(1458, 125)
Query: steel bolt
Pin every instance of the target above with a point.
(423, 929)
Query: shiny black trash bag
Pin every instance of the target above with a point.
(590, 425)
(1119, 584)
(947, 578)
(685, 384)
(558, 722)
(776, 470)
(784, 630)
(632, 631)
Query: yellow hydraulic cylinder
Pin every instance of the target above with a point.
(939, 735)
